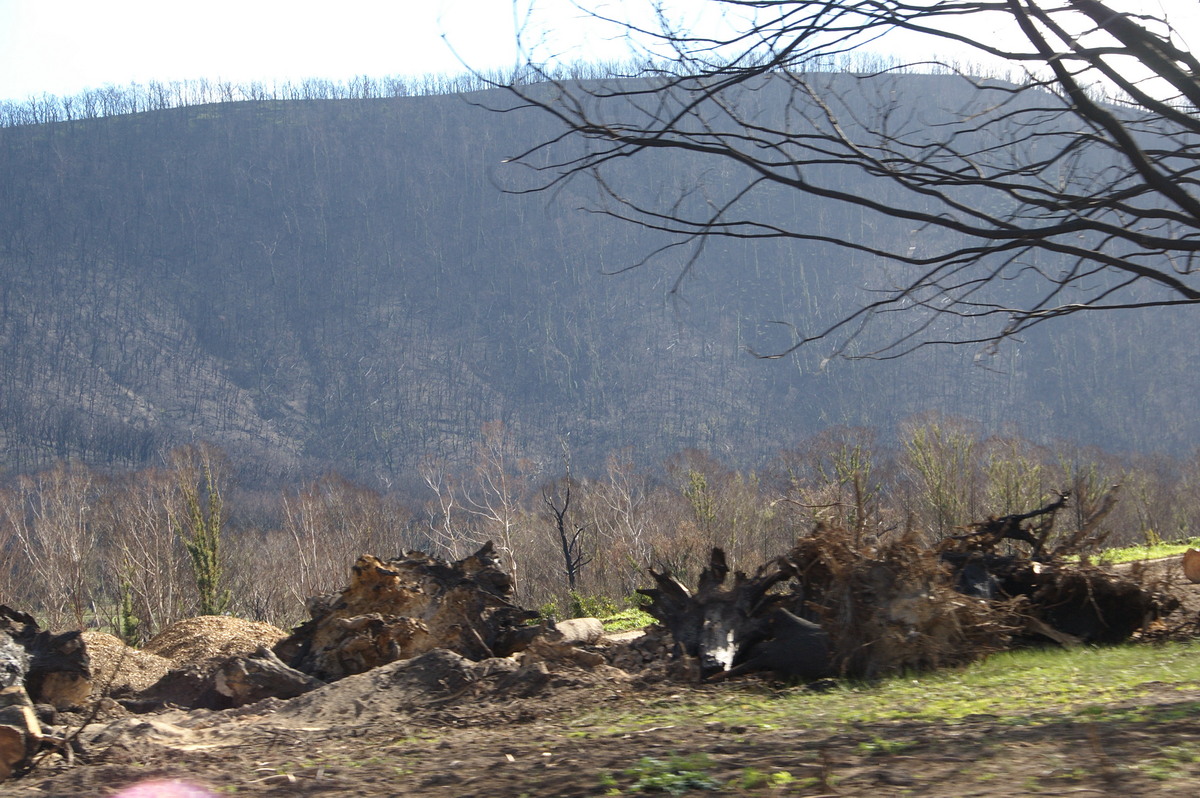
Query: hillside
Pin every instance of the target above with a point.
(342, 284)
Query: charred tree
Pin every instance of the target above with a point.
(1098, 96)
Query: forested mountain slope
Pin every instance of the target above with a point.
(343, 285)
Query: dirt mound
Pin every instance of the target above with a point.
(209, 636)
(437, 678)
(119, 669)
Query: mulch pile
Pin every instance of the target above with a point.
(208, 636)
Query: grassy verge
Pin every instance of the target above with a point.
(1047, 722)
(1020, 688)
(1154, 552)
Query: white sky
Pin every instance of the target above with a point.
(65, 46)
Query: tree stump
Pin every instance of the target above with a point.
(20, 731)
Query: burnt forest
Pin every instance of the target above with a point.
(356, 284)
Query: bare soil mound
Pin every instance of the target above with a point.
(431, 681)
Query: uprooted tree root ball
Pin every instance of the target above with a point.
(893, 606)
(865, 606)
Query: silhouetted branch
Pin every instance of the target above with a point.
(998, 203)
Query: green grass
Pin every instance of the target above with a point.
(1152, 552)
(1018, 688)
(626, 620)
(676, 775)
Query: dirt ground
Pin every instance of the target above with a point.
(443, 726)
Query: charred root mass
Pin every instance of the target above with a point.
(55, 668)
(717, 625)
(864, 609)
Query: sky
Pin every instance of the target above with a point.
(63, 47)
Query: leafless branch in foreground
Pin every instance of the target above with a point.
(988, 206)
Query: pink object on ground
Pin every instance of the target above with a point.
(164, 789)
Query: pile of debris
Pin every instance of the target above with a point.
(833, 606)
(865, 608)
(400, 608)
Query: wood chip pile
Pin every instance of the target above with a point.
(120, 669)
(196, 639)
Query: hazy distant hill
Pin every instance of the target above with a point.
(341, 284)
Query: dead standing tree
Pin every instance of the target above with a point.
(1031, 200)
(556, 497)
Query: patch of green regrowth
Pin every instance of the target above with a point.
(675, 775)
(549, 611)
(1153, 551)
(879, 746)
(1173, 762)
(755, 779)
(1028, 687)
(626, 620)
(582, 605)
(609, 611)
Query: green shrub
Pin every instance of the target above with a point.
(591, 606)
(550, 611)
(129, 625)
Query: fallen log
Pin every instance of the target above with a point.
(1191, 565)
(246, 680)
(1085, 602)
(793, 648)
(20, 731)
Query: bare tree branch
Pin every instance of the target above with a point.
(989, 205)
